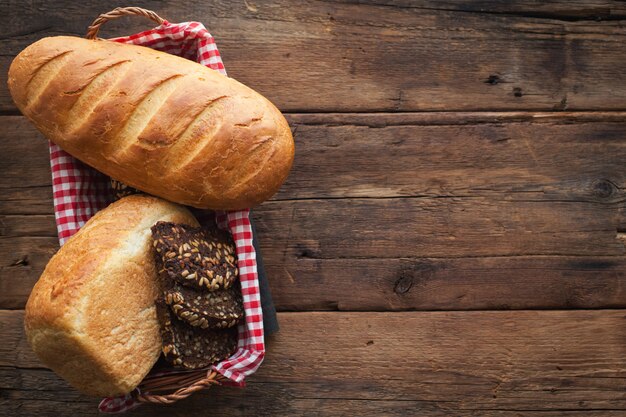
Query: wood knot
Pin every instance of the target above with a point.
(517, 92)
(403, 284)
(303, 251)
(414, 273)
(493, 79)
(603, 189)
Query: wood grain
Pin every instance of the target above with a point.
(304, 284)
(491, 177)
(541, 282)
(382, 55)
(432, 227)
(469, 363)
(553, 10)
(428, 227)
(450, 206)
(575, 157)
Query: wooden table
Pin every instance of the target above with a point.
(451, 240)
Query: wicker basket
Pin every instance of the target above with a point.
(164, 385)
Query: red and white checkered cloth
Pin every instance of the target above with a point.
(80, 191)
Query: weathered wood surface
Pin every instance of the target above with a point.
(418, 211)
(382, 55)
(468, 283)
(551, 156)
(425, 363)
(510, 195)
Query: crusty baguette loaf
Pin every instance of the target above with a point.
(157, 122)
(91, 316)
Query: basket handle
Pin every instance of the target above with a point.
(92, 31)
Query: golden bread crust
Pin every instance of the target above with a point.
(91, 316)
(157, 122)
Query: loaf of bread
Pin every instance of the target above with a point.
(91, 317)
(157, 122)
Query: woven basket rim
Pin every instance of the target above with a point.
(183, 383)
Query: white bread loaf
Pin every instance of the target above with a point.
(91, 316)
(157, 122)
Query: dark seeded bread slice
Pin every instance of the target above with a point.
(203, 258)
(191, 347)
(217, 309)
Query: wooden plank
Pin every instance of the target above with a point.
(439, 227)
(541, 282)
(245, 404)
(447, 363)
(382, 56)
(557, 158)
(535, 196)
(304, 284)
(555, 10)
(26, 162)
(529, 156)
(427, 227)
(24, 259)
(27, 200)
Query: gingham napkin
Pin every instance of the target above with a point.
(80, 191)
